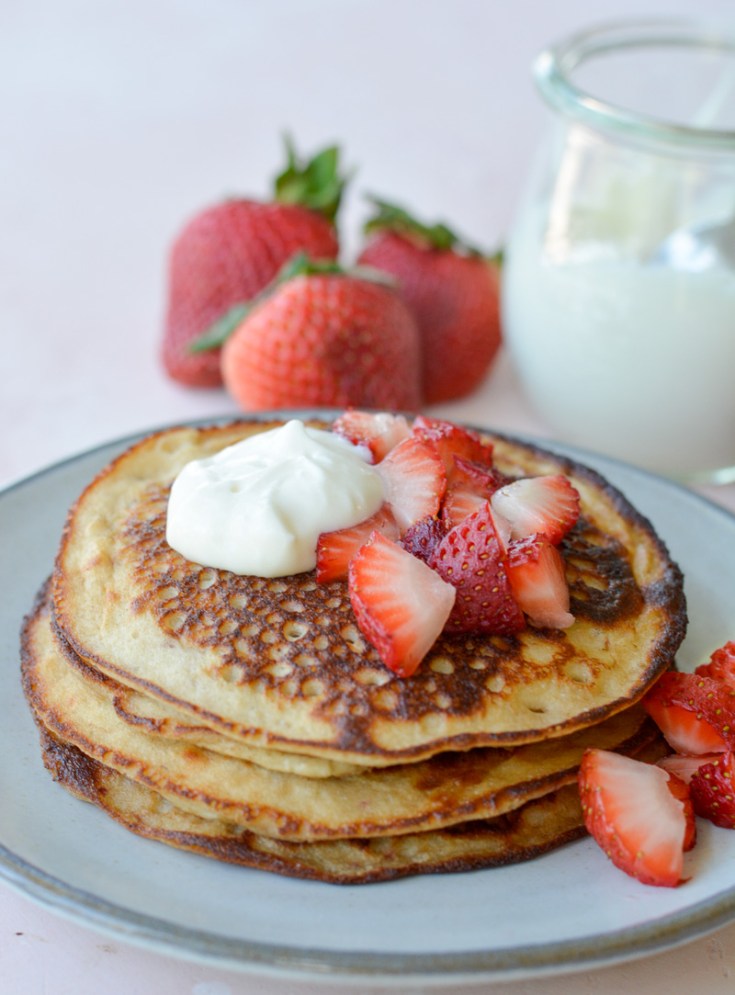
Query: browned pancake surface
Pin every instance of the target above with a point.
(281, 662)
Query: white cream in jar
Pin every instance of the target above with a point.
(625, 357)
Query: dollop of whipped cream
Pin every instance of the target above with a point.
(259, 506)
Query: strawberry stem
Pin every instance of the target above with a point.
(391, 217)
(218, 332)
(315, 183)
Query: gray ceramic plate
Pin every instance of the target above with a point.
(569, 909)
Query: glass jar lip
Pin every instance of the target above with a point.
(553, 66)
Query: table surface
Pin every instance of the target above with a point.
(118, 121)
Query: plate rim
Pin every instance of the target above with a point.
(307, 963)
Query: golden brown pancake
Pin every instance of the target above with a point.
(280, 664)
(525, 833)
(156, 717)
(76, 705)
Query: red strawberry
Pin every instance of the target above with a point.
(679, 788)
(470, 485)
(422, 538)
(379, 431)
(538, 583)
(545, 505)
(334, 550)
(400, 603)
(453, 441)
(459, 503)
(639, 814)
(414, 480)
(469, 473)
(685, 766)
(324, 339)
(695, 713)
(228, 253)
(453, 291)
(471, 557)
(713, 790)
(721, 666)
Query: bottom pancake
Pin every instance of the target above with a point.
(528, 832)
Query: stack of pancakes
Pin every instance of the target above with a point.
(248, 719)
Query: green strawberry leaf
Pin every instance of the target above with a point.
(391, 217)
(218, 332)
(315, 183)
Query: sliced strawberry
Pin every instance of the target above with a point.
(632, 812)
(721, 666)
(334, 550)
(685, 766)
(414, 480)
(422, 538)
(469, 486)
(459, 503)
(695, 713)
(472, 558)
(538, 582)
(547, 505)
(380, 431)
(481, 477)
(679, 788)
(453, 440)
(399, 602)
(713, 790)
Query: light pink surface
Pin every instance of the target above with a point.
(119, 120)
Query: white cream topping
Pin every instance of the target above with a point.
(259, 506)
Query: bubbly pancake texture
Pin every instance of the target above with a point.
(280, 664)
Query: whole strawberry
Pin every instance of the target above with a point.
(228, 253)
(325, 338)
(453, 291)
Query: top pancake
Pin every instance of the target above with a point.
(281, 663)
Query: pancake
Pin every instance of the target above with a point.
(526, 833)
(281, 665)
(77, 706)
(156, 717)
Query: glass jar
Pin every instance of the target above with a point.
(619, 273)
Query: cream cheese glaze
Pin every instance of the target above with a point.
(259, 506)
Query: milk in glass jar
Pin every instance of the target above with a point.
(619, 273)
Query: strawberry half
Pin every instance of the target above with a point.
(632, 812)
(414, 480)
(545, 505)
(453, 440)
(334, 550)
(721, 666)
(713, 790)
(379, 431)
(538, 582)
(696, 714)
(472, 558)
(399, 602)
